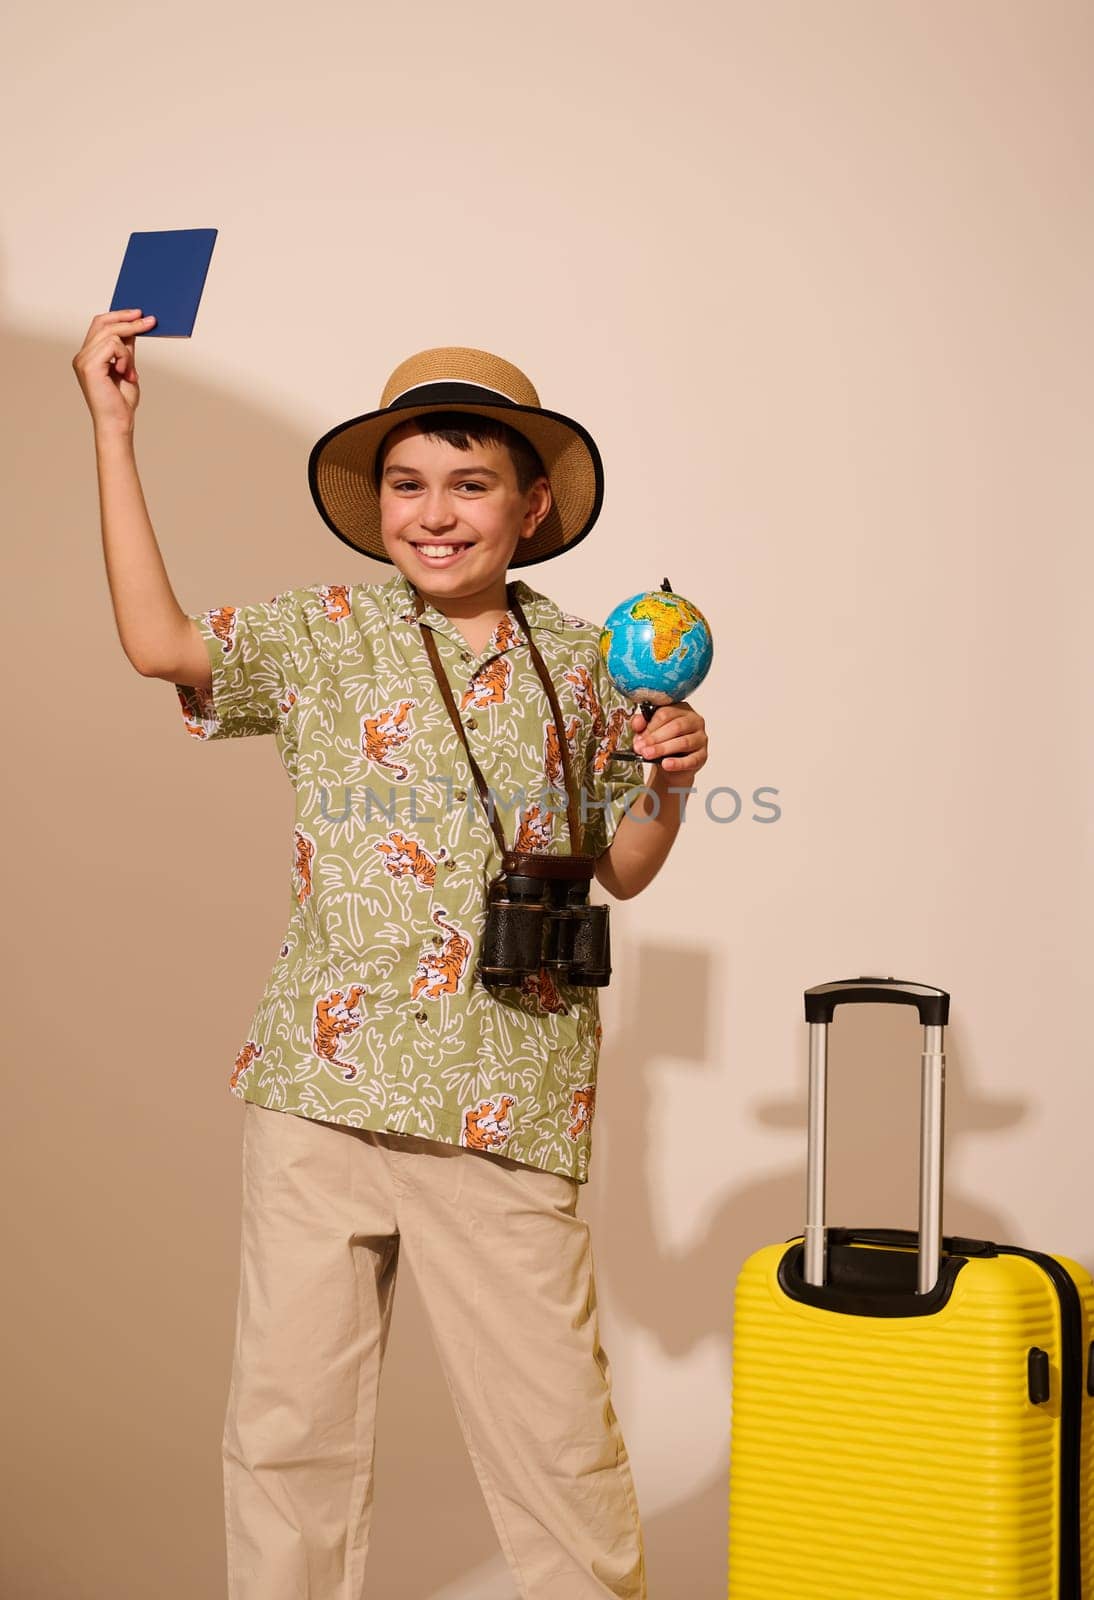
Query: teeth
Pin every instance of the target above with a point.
(439, 549)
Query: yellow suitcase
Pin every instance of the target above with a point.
(908, 1410)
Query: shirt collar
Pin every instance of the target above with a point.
(397, 598)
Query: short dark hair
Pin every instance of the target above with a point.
(461, 429)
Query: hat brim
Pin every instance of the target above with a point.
(340, 469)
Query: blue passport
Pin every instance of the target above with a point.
(164, 274)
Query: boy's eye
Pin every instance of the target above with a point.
(410, 483)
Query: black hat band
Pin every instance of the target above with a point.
(430, 394)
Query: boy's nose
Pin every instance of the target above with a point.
(437, 513)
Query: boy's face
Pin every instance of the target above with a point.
(451, 519)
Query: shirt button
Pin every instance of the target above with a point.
(449, 863)
(464, 656)
(438, 938)
(469, 722)
(419, 1016)
(461, 794)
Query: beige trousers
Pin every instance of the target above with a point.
(505, 1270)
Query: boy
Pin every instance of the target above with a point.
(393, 1101)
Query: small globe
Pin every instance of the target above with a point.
(657, 647)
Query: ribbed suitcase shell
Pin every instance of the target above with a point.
(901, 1458)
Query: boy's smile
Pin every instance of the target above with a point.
(451, 519)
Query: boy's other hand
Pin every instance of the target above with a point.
(106, 369)
(677, 732)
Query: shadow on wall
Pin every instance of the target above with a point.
(120, 1405)
(687, 1297)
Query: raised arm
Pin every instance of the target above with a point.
(159, 639)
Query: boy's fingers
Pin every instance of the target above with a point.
(118, 355)
(109, 320)
(683, 745)
(106, 319)
(671, 710)
(112, 344)
(671, 725)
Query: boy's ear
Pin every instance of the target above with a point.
(540, 501)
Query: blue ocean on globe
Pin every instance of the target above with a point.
(657, 647)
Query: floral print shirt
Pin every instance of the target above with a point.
(374, 1014)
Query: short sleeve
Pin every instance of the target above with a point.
(248, 661)
(609, 785)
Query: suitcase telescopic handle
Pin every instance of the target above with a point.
(933, 1006)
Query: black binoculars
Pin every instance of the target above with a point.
(538, 915)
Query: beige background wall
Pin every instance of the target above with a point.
(817, 276)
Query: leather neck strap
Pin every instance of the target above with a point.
(549, 688)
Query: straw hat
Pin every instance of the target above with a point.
(340, 467)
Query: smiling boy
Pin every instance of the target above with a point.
(394, 1103)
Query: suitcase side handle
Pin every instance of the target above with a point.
(863, 991)
(932, 1004)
